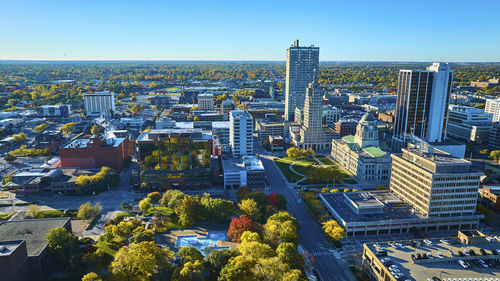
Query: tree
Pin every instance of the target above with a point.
(255, 249)
(218, 259)
(287, 252)
(248, 208)
(68, 128)
(189, 271)
(196, 118)
(283, 216)
(238, 226)
(62, 245)
(145, 204)
(217, 210)
(495, 154)
(239, 268)
(484, 151)
(242, 192)
(381, 187)
(140, 260)
(40, 128)
(191, 254)
(186, 211)
(33, 211)
(9, 158)
(270, 269)
(333, 230)
(96, 130)
(154, 197)
(140, 235)
(294, 275)
(347, 190)
(275, 232)
(293, 152)
(91, 276)
(19, 137)
(88, 211)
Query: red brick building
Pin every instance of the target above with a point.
(94, 152)
(346, 127)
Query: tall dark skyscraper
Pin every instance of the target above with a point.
(302, 65)
(422, 105)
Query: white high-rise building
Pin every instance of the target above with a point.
(493, 106)
(206, 102)
(422, 105)
(302, 65)
(99, 103)
(241, 132)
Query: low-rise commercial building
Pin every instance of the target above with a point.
(24, 254)
(266, 128)
(489, 196)
(53, 111)
(276, 143)
(96, 151)
(346, 127)
(381, 212)
(246, 172)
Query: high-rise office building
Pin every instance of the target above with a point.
(435, 184)
(311, 134)
(302, 65)
(422, 105)
(493, 106)
(99, 103)
(241, 132)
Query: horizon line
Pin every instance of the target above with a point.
(227, 60)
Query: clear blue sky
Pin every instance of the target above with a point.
(398, 30)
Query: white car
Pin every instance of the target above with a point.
(440, 255)
(429, 255)
(451, 253)
(428, 242)
(463, 264)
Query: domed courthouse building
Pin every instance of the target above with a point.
(361, 153)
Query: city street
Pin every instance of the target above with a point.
(326, 262)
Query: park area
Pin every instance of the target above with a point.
(313, 170)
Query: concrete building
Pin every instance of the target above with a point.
(312, 134)
(241, 132)
(248, 171)
(302, 65)
(225, 108)
(206, 102)
(469, 124)
(54, 111)
(382, 213)
(494, 140)
(99, 103)
(24, 254)
(422, 104)
(445, 258)
(160, 100)
(96, 151)
(434, 183)
(266, 128)
(221, 129)
(493, 106)
(331, 116)
(361, 154)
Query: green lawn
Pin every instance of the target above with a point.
(105, 247)
(5, 215)
(325, 160)
(289, 175)
(161, 210)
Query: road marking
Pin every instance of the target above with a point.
(317, 254)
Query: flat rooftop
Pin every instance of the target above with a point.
(394, 208)
(33, 231)
(446, 267)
